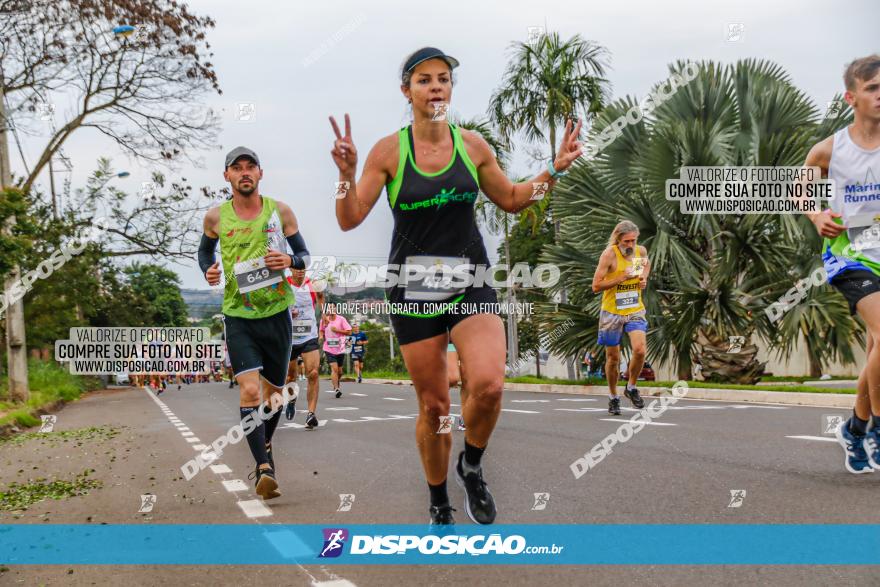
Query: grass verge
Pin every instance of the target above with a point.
(49, 383)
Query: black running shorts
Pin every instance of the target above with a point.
(299, 350)
(412, 327)
(338, 359)
(855, 285)
(260, 344)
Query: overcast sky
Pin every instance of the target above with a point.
(260, 47)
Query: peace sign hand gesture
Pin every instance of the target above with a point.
(570, 149)
(344, 152)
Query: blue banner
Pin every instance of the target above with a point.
(659, 544)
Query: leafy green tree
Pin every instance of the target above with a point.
(162, 288)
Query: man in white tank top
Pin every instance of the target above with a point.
(305, 341)
(851, 250)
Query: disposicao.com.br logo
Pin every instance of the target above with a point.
(430, 544)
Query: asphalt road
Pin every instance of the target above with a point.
(682, 469)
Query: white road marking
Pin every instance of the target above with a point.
(234, 485)
(825, 438)
(342, 409)
(333, 583)
(519, 411)
(254, 508)
(621, 420)
(759, 407)
(530, 401)
(358, 394)
(696, 407)
(579, 410)
(372, 419)
(394, 399)
(565, 399)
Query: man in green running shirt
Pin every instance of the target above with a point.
(259, 239)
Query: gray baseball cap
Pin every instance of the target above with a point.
(239, 152)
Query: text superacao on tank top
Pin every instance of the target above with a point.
(434, 212)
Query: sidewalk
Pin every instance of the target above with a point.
(824, 400)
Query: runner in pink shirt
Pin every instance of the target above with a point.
(334, 332)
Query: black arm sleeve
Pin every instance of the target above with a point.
(300, 252)
(207, 246)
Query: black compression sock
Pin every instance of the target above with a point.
(857, 426)
(271, 424)
(438, 494)
(257, 438)
(472, 455)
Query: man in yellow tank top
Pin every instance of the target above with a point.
(621, 275)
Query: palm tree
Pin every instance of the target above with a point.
(546, 84)
(712, 275)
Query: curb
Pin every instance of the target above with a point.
(11, 429)
(797, 398)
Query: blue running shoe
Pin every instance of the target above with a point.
(871, 444)
(856, 457)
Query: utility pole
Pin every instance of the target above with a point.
(16, 349)
(391, 342)
(512, 326)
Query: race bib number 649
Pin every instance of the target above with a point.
(253, 274)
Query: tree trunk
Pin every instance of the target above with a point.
(16, 347)
(721, 365)
(815, 365)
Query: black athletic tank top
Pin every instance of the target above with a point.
(434, 212)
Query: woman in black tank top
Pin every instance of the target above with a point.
(432, 172)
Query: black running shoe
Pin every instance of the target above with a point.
(266, 486)
(338, 393)
(290, 410)
(478, 503)
(231, 383)
(441, 515)
(632, 395)
(614, 406)
(311, 421)
(360, 379)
